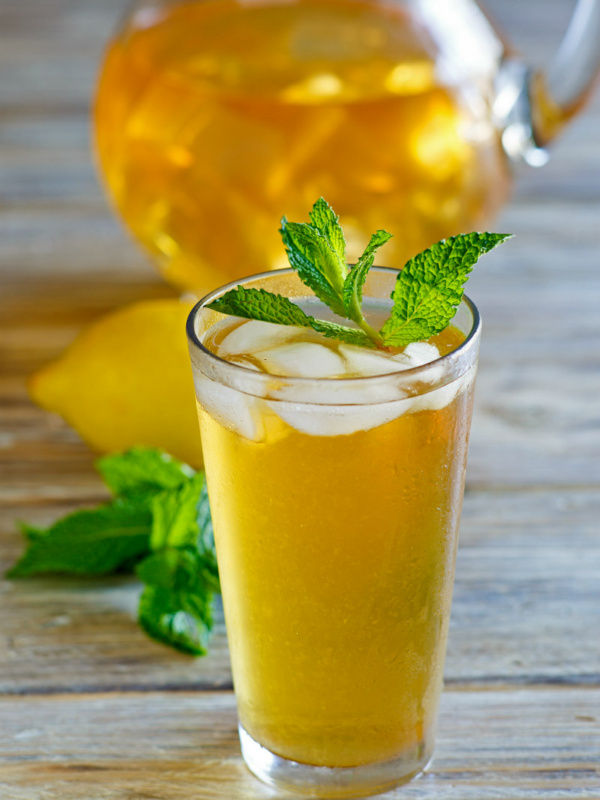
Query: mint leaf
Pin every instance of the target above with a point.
(176, 607)
(142, 471)
(315, 261)
(430, 287)
(262, 305)
(343, 334)
(175, 619)
(324, 218)
(177, 569)
(353, 285)
(175, 515)
(89, 542)
(163, 508)
(29, 532)
(268, 307)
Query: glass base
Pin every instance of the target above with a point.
(316, 781)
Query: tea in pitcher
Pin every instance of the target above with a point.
(212, 116)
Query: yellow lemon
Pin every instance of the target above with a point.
(127, 380)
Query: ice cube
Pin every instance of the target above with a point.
(254, 336)
(241, 361)
(360, 361)
(233, 409)
(302, 360)
(444, 395)
(438, 398)
(318, 420)
(420, 353)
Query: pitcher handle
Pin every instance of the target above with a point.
(532, 107)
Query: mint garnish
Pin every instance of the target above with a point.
(159, 525)
(427, 292)
(431, 285)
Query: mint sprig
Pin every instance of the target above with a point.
(159, 525)
(426, 295)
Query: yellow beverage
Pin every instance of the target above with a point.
(336, 529)
(213, 116)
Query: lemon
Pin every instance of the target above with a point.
(126, 381)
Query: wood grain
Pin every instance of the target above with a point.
(176, 746)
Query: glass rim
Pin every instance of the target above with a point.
(445, 360)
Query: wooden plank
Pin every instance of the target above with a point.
(52, 244)
(535, 426)
(511, 745)
(49, 51)
(525, 610)
(527, 588)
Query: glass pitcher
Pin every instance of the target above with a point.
(215, 117)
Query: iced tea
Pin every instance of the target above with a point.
(335, 477)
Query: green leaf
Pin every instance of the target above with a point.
(29, 532)
(353, 285)
(177, 569)
(90, 542)
(268, 307)
(261, 305)
(318, 265)
(324, 218)
(142, 472)
(174, 620)
(430, 287)
(175, 515)
(343, 334)
(176, 606)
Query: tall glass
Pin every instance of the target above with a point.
(336, 505)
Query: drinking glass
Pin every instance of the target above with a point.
(336, 505)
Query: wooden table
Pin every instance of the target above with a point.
(90, 708)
